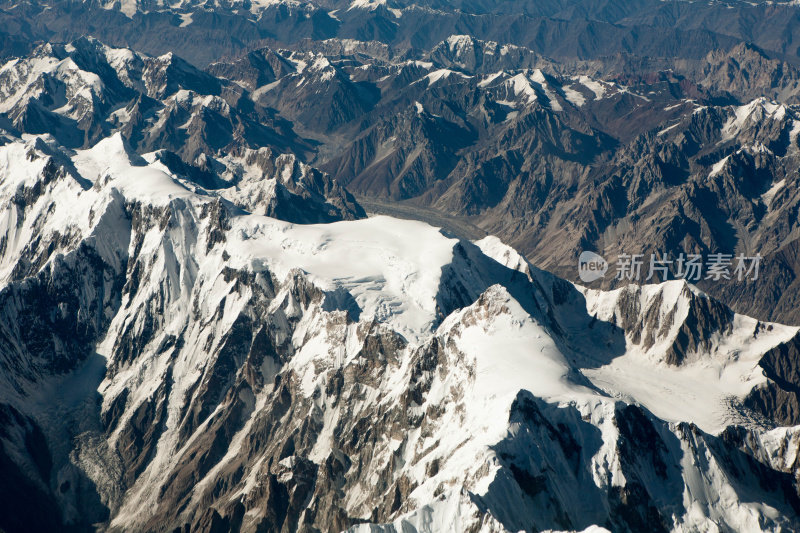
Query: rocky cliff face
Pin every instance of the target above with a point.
(172, 361)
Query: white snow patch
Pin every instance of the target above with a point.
(459, 43)
(718, 166)
(186, 19)
(767, 197)
(758, 110)
(109, 159)
(598, 88)
(521, 86)
(490, 78)
(392, 267)
(442, 74)
(366, 4)
(574, 97)
(668, 128)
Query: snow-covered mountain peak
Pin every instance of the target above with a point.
(504, 254)
(757, 114)
(392, 268)
(676, 323)
(460, 43)
(112, 161)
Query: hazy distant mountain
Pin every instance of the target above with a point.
(202, 31)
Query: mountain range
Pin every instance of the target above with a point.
(313, 266)
(498, 137)
(174, 361)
